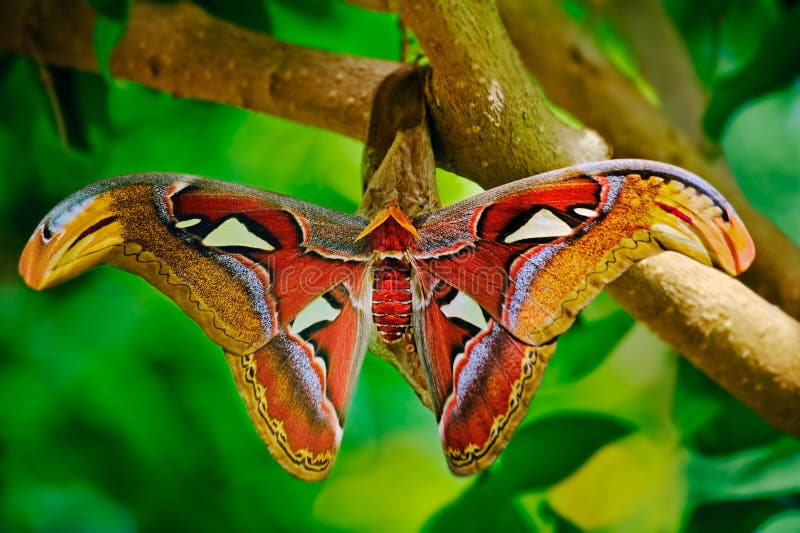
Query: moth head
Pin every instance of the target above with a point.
(391, 228)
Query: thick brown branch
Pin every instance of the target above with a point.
(725, 329)
(491, 122)
(180, 49)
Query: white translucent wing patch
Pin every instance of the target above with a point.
(233, 233)
(582, 211)
(467, 309)
(319, 310)
(188, 223)
(543, 224)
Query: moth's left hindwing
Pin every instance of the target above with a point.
(278, 283)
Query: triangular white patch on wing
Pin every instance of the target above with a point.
(467, 309)
(319, 310)
(542, 225)
(234, 233)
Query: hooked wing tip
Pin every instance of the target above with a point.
(30, 263)
(695, 220)
(70, 240)
(740, 244)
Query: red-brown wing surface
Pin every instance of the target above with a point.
(247, 266)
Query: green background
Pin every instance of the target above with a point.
(117, 414)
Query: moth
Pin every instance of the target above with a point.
(467, 302)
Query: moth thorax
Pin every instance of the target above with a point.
(391, 298)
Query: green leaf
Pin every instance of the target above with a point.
(774, 65)
(762, 145)
(503, 516)
(788, 522)
(722, 36)
(540, 454)
(694, 403)
(582, 349)
(633, 484)
(544, 516)
(550, 449)
(375, 472)
(757, 473)
(743, 27)
(731, 516)
(711, 421)
(697, 22)
(110, 24)
(71, 506)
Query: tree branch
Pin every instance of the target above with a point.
(491, 122)
(664, 61)
(745, 344)
(180, 49)
(477, 91)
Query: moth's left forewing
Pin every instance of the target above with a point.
(303, 250)
(278, 283)
(125, 222)
(298, 386)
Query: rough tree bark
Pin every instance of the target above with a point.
(490, 124)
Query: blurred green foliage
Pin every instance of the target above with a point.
(118, 415)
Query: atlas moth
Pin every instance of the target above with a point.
(467, 301)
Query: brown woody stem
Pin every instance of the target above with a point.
(491, 122)
(398, 156)
(741, 341)
(182, 50)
